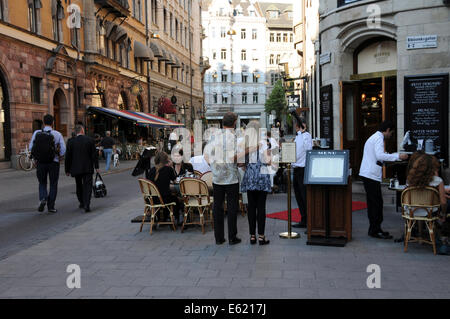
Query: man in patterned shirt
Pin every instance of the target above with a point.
(223, 161)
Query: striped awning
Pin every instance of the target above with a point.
(126, 115)
(164, 122)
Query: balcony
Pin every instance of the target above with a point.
(204, 64)
(120, 8)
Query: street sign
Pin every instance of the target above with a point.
(294, 101)
(325, 58)
(421, 42)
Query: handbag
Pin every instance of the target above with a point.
(99, 187)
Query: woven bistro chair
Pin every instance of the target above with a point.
(154, 204)
(197, 174)
(196, 198)
(420, 204)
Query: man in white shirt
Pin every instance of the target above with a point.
(48, 168)
(371, 173)
(303, 143)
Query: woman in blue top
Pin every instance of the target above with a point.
(256, 182)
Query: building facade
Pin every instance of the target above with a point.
(235, 45)
(62, 57)
(381, 60)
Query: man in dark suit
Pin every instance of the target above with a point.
(81, 158)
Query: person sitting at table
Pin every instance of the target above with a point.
(424, 171)
(179, 165)
(162, 175)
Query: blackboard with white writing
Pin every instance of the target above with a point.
(426, 110)
(326, 114)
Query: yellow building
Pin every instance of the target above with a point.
(62, 57)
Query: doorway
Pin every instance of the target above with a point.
(5, 124)
(60, 112)
(364, 105)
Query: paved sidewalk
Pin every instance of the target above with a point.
(21, 182)
(117, 261)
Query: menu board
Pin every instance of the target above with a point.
(426, 110)
(327, 167)
(326, 114)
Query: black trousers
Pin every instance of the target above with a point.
(52, 171)
(84, 189)
(374, 204)
(232, 195)
(257, 211)
(300, 192)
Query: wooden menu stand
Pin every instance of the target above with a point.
(329, 214)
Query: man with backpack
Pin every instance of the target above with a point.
(47, 147)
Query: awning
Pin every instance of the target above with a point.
(157, 52)
(163, 121)
(171, 59)
(125, 115)
(119, 35)
(141, 51)
(165, 56)
(177, 62)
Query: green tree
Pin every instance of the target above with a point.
(277, 101)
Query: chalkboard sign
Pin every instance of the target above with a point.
(426, 110)
(326, 114)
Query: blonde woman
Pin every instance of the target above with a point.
(257, 182)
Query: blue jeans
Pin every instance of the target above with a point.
(108, 154)
(52, 171)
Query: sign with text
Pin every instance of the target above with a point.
(294, 101)
(288, 152)
(327, 167)
(325, 58)
(421, 42)
(326, 114)
(426, 110)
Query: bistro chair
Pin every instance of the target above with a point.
(197, 174)
(420, 204)
(196, 198)
(207, 177)
(154, 204)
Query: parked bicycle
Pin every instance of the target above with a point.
(25, 161)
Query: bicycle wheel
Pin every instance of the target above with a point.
(25, 163)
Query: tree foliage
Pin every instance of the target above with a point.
(277, 101)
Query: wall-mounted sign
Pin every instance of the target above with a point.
(378, 57)
(421, 42)
(325, 58)
(294, 101)
(426, 110)
(326, 114)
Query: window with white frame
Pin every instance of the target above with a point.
(224, 77)
(215, 98)
(224, 98)
(272, 37)
(271, 59)
(244, 78)
(223, 32)
(34, 7)
(255, 98)
(223, 54)
(244, 98)
(278, 37)
(243, 55)
(285, 37)
(254, 34)
(243, 34)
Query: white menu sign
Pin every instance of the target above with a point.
(288, 153)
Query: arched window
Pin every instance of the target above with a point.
(122, 101)
(138, 104)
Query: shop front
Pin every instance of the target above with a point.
(5, 124)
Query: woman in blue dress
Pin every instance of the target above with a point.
(256, 182)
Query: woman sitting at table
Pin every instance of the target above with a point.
(179, 165)
(424, 171)
(162, 175)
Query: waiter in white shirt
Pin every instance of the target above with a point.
(303, 143)
(371, 173)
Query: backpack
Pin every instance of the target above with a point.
(99, 187)
(44, 149)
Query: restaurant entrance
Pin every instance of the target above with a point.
(364, 105)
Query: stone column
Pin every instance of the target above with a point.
(90, 31)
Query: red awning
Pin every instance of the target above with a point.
(166, 106)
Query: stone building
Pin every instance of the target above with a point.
(63, 58)
(235, 45)
(382, 60)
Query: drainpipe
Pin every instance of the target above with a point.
(148, 62)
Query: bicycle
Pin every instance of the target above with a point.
(25, 161)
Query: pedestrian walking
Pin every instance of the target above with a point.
(47, 148)
(371, 173)
(222, 159)
(256, 182)
(108, 145)
(303, 143)
(81, 159)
